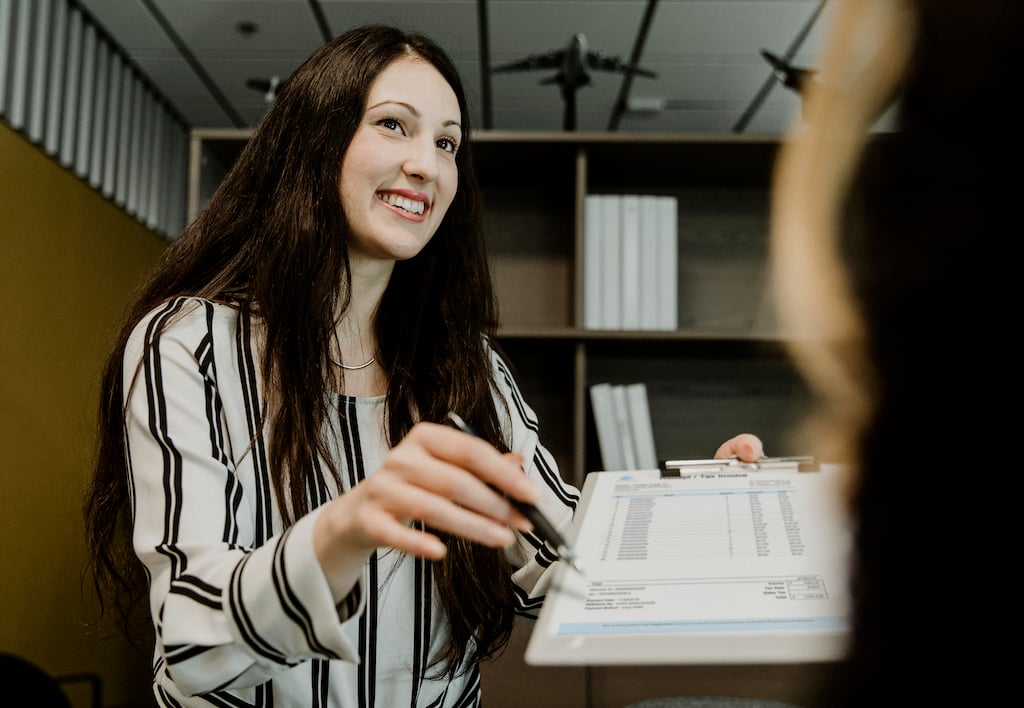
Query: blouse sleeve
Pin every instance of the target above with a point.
(532, 558)
(232, 602)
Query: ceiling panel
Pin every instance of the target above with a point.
(453, 23)
(705, 54)
(286, 27)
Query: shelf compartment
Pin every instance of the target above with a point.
(703, 393)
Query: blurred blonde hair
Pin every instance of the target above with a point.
(866, 54)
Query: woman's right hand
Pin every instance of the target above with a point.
(447, 479)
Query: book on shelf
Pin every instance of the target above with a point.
(639, 413)
(622, 418)
(667, 262)
(624, 427)
(630, 262)
(650, 237)
(609, 442)
(593, 253)
(611, 278)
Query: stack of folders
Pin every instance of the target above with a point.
(630, 254)
(622, 417)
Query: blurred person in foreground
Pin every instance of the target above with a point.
(895, 260)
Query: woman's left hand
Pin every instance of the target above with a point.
(745, 446)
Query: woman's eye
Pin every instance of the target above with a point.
(390, 124)
(448, 145)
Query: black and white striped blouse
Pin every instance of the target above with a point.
(242, 610)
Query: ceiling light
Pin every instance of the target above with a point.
(247, 28)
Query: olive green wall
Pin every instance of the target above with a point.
(69, 260)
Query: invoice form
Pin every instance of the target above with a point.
(721, 566)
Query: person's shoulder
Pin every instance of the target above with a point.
(503, 371)
(494, 353)
(190, 311)
(186, 317)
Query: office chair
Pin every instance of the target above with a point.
(40, 689)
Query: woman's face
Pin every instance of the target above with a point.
(399, 177)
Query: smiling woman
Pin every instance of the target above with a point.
(310, 532)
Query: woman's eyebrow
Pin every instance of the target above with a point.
(413, 111)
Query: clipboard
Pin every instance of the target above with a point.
(794, 463)
(702, 562)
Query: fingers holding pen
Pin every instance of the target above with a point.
(387, 509)
(446, 496)
(462, 469)
(450, 481)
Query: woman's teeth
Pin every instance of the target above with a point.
(410, 205)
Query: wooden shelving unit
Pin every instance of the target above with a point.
(723, 371)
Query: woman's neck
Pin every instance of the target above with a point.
(355, 349)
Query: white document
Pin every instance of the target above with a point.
(592, 255)
(727, 566)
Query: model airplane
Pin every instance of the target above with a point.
(270, 87)
(573, 65)
(790, 76)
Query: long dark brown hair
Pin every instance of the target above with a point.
(273, 242)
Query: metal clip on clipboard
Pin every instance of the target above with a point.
(795, 463)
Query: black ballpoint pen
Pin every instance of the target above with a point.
(541, 526)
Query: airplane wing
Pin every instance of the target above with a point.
(549, 60)
(269, 87)
(263, 85)
(596, 60)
